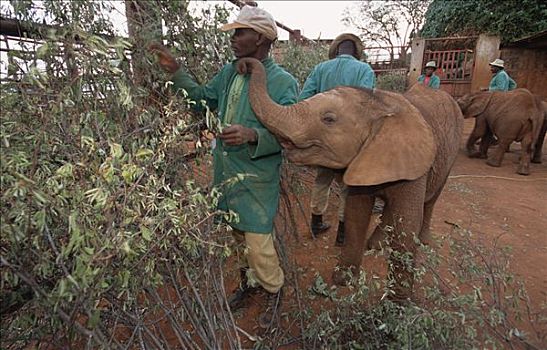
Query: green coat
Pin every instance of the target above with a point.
(344, 70)
(434, 81)
(502, 82)
(255, 197)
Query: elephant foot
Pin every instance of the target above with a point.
(426, 239)
(523, 170)
(342, 275)
(493, 163)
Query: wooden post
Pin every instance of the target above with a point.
(486, 50)
(416, 61)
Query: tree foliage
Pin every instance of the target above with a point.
(300, 60)
(387, 23)
(106, 219)
(510, 19)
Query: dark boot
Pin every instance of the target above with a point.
(271, 310)
(378, 207)
(242, 292)
(317, 225)
(340, 235)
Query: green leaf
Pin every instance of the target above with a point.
(146, 233)
(94, 319)
(144, 153)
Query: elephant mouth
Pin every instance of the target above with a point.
(302, 153)
(289, 145)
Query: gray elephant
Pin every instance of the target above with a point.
(396, 147)
(510, 116)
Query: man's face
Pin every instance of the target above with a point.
(494, 69)
(429, 71)
(244, 42)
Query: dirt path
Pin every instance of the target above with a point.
(494, 203)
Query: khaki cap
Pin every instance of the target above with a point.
(431, 64)
(254, 18)
(343, 37)
(497, 62)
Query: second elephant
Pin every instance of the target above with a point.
(510, 116)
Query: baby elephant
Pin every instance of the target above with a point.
(396, 147)
(510, 116)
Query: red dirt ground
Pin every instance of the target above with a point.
(488, 201)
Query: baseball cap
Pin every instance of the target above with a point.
(253, 17)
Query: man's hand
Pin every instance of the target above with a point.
(237, 135)
(165, 59)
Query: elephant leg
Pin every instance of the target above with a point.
(497, 157)
(526, 154)
(479, 130)
(538, 149)
(407, 206)
(357, 216)
(425, 233)
(486, 140)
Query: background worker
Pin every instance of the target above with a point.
(501, 81)
(343, 68)
(429, 78)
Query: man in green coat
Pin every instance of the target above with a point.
(429, 78)
(501, 81)
(245, 147)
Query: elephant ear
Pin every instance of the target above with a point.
(402, 148)
(478, 104)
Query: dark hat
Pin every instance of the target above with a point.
(343, 37)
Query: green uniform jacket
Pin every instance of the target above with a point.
(434, 81)
(502, 82)
(344, 70)
(255, 197)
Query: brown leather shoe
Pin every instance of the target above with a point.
(272, 308)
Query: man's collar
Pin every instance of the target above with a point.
(268, 61)
(346, 56)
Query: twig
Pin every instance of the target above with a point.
(494, 177)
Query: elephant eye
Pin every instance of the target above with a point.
(329, 118)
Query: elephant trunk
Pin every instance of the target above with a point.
(280, 120)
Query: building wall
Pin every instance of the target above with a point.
(528, 67)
